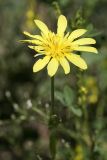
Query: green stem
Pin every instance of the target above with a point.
(52, 123)
(52, 96)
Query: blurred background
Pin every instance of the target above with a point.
(25, 96)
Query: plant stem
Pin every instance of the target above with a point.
(52, 96)
(52, 123)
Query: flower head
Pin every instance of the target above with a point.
(59, 48)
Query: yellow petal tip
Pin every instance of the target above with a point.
(50, 75)
(96, 51)
(67, 72)
(34, 69)
(85, 68)
(24, 32)
(35, 20)
(62, 16)
(31, 47)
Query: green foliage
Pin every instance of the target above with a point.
(67, 98)
(80, 97)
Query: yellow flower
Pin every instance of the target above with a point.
(57, 48)
(79, 154)
(93, 91)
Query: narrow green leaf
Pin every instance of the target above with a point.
(76, 111)
(68, 96)
(59, 96)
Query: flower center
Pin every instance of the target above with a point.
(57, 46)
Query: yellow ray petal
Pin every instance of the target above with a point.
(30, 35)
(62, 24)
(33, 36)
(76, 33)
(86, 49)
(76, 60)
(42, 26)
(37, 42)
(84, 41)
(37, 48)
(52, 67)
(41, 63)
(64, 63)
